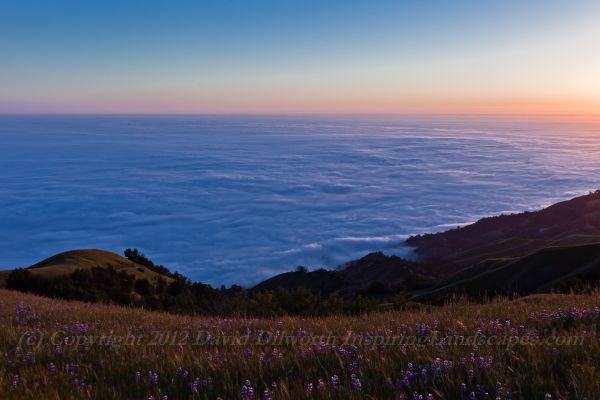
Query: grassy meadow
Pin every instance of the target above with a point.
(538, 347)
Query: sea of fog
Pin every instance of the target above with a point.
(238, 199)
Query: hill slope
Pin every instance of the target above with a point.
(572, 222)
(550, 269)
(374, 274)
(86, 259)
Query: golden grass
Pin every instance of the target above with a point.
(218, 370)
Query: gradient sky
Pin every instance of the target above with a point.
(224, 56)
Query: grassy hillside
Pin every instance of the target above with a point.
(531, 348)
(572, 222)
(69, 261)
(550, 269)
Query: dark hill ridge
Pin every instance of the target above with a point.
(572, 222)
(375, 274)
(551, 269)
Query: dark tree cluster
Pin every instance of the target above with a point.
(139, 258)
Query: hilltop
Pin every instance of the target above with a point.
(86, 259)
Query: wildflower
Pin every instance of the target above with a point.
(334, 382)
(470, 374)
(356, 383)
(52, 369)
(15, 382)
(247, 391)
(153, 377)
(29, 358)
(266, 395)
(138, 376)
(548, 396)
(463, 388)
(309, 389)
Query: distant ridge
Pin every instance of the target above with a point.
(553, 269)
(568, 223)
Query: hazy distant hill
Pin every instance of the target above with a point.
(572, 222)
(375, 274)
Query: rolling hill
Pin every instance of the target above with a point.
(69, 261)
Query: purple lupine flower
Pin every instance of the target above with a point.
(153, 377)
(195, 384)
(266, 395)
(247, 391)
(430, 397)
(463, 388)
(309, 389)
(52, 368)
(470, 374)
(138, 376)
(334, 382)
(472, 396)
(15, 382)
(548, 396)
(356, 383)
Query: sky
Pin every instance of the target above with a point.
(269, 57)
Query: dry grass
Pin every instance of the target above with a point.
(193, 369)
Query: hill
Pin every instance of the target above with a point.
(568, 223)
(86, 259)
(550, 269)
(372, 275)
